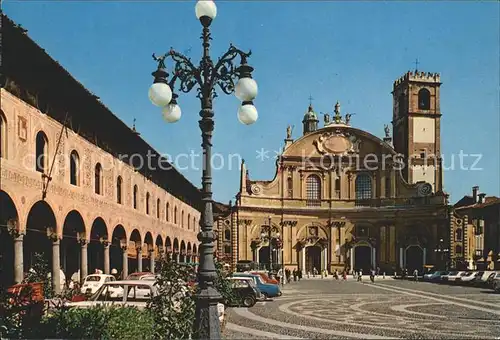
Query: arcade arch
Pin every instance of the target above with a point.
(11, 240)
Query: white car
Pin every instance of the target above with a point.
(468, 277)
(93, 282)
(495, 283)
(138, 293)
(455, 276)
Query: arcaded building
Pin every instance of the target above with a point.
(66, 189)
(344, 198)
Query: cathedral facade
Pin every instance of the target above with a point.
(343, 198)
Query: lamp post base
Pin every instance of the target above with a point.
(207, 324)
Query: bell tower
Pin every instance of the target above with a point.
(416, 122)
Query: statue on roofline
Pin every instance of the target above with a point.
(386, 130)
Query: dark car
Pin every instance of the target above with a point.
(245, 293)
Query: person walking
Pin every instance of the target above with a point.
(300, 273)
(295, 274)
(360, 275)
(415, 274)
(372, 275)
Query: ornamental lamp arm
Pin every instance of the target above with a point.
(224, 71)
(185, 71)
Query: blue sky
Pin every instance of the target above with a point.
(346, 51)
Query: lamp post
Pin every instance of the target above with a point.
(205, 76)
(440, 249)
(267, 234)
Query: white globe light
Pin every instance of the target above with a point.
(171, 113)
(205, 8)
(247, 114)
(160, 94)
(246, 89)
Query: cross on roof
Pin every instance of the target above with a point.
(310, 99)
(416, 65)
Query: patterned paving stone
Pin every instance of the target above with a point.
(325, 309)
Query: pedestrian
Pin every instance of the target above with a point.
(360, 275)
(372, 275)
(344, 275)
(300, 274)
(415, 274)
(295, 274)
(378, 271)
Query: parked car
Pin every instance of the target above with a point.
(265, 277)
(496, 283)
(452, 276)
(268, 290)
(244, 292)
(251, 282)
(434, 276)
(482, 281)
(468, 277)
(137, 295)
(93, 282)
(138, 275)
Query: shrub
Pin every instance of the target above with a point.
(100, 322)
(173, 309)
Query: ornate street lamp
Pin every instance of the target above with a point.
(268, 235)
(205, 76)
(440, 249)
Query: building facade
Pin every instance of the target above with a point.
(343, 198)
(476, 231)
(66, 192)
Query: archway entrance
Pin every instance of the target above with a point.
(135, 263)
(41, 222)
(264, 257)
(149, 252)
(313, 259)
(98, 235)
(363, 258)
(73, 232)
(414, 259)
(118, 243)
(8, 221)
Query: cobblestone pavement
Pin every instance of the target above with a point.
(387, 309)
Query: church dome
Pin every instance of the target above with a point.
(310, 114)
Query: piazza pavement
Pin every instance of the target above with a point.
(387, 309)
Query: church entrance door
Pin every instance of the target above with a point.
(264, 257)
(363, 258)
(414, 259)
(313, 259)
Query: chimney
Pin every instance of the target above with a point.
(481, 198)
(475, 189)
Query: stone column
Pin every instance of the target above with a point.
(374, 257)
(152, 260)
(401, 258)
(326, 259)
(139, 259)
(351, 257)
(106, 257)
(303, 267)
(84, 268)
(56, 265)
(18, 259)
(125, 262)
(424, 252)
